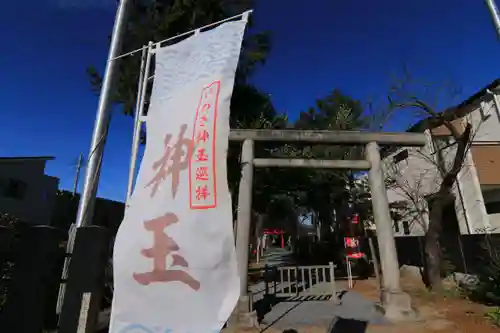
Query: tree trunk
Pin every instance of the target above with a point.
(431, 248)
(258, 234)
(441, 198)
(375, 256)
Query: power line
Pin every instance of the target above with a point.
(77, 174)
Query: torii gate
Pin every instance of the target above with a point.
(276, 232)
(397, 304)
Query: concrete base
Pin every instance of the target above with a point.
(248, 320)
(243, 316)
(397, 306)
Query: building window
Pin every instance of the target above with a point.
(396, 218)
(406, 227)
(492, 207)
(402, 155)
(14, 189)
(396, 226)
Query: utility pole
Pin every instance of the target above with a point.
(93, 170)
(494, 15)
(77, 175)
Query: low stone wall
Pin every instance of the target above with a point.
(460, 279)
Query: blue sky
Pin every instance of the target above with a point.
(356, 46)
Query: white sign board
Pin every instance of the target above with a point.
(174, 260)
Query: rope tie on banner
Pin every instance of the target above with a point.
(244, 17)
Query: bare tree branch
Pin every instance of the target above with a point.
(452, 133)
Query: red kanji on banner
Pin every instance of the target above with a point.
(206, 107)
(163, 246)
(202, 192)
(202, 136)
(203, 120)
(202, 173)
(179, 155)
(201, 155)
(202, 168)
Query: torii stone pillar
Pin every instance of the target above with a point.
(245, 316)
(397, 304)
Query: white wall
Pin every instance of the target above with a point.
(469, 202)
(486, 119)
(413, 177)
(409, 181)
(417, 176)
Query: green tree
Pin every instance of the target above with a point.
(327, 188)
(158, 20)
(289, 192)
(283, 194)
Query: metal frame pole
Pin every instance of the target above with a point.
(492, 7)
(139, 113)
(87, 200)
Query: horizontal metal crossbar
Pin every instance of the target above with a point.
(330, 137)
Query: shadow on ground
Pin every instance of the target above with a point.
(342, 325)
(266, 304)
(269, 300)
(352, 314)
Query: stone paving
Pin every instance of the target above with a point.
(359, 313)
(309, 311)
(323, 313)
(277, 256)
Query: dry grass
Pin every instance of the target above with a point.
(448, 312)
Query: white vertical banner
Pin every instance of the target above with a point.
(174, 259)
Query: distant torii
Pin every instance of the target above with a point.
(280, 232)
